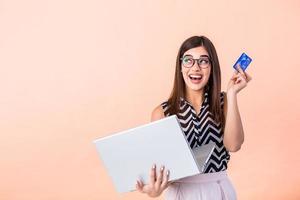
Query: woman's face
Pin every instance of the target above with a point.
(195, 76)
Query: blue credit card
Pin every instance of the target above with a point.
(244, 60)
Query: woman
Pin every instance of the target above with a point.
(206, 115)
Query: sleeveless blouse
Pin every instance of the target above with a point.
(201, 129)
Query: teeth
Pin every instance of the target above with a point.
(195, 76)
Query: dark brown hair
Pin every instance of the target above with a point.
(213, 87)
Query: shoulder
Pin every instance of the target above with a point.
(157, 113)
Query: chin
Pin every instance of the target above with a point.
(196, 87)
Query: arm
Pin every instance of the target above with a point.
(157, 113)
(234, 133)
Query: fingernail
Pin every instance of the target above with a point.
(168, 172)
(162, 168)
(153, 167)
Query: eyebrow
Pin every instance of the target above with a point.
(201, 56)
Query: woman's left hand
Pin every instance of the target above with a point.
(238, 81)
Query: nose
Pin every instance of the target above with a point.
(196, 66)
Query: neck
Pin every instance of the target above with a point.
(195, 97)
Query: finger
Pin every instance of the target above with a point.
(242, 73)
(249, 78)
(139, 186)
(242, 76)
(170, 182)
(235, 72)
(240, 70)
(238, 80)
(241, 79)
(153, 175)
(160, 176)
(234, 76)
(165, 182)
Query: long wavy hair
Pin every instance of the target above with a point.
(213, 86)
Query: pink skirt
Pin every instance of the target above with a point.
(208, 186)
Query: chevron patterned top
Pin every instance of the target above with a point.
(201, 129)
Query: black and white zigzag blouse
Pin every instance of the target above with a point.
(202, 129)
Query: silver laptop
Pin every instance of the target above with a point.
(129, 155)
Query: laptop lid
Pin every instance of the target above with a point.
(129, 155)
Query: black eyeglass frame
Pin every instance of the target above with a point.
(198, 60)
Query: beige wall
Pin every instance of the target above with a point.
(72, 71)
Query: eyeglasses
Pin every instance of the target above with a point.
(188, 61)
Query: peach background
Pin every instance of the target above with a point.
(73, 71)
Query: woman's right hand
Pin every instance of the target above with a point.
(158, 182)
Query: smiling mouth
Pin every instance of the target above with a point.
(195, 77)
